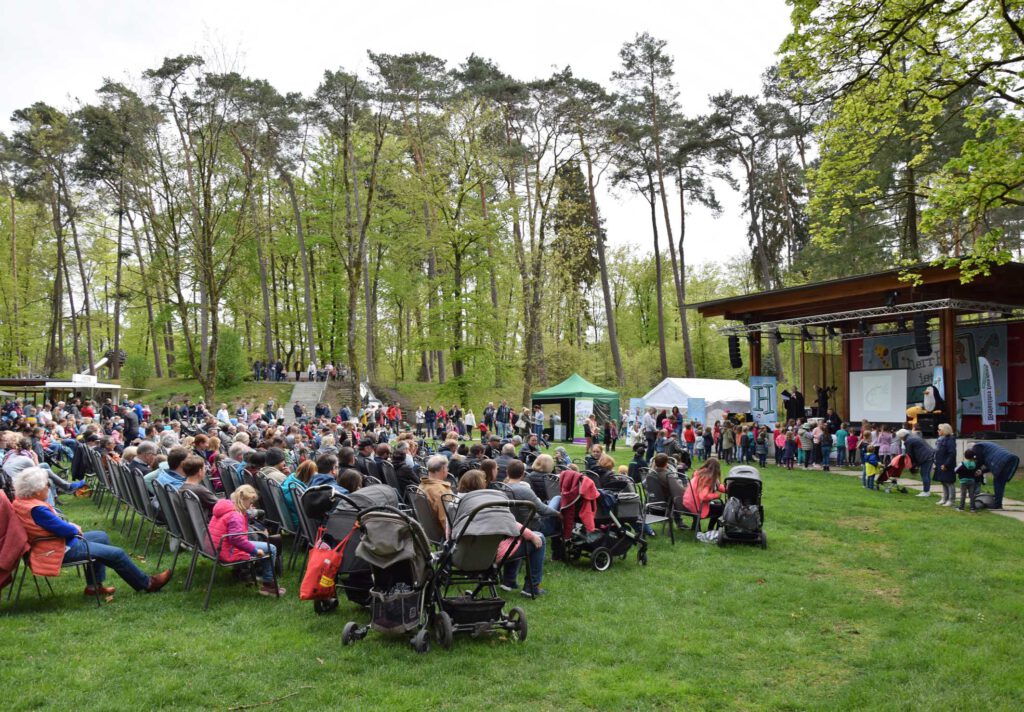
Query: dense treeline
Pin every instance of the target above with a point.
(444, 223)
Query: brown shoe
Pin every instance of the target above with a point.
(104, 590)
(158, 581)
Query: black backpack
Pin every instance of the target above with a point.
(741, 517)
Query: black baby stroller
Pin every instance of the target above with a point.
(354, 574)
(481, 522)
(743, 516)
(403, 595)
(594, 521)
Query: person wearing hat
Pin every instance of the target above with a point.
(921, 454)
(276, 467)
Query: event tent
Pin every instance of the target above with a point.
(573, 389)
(719, 395)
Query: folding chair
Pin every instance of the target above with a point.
(88, 563)
(211, 550)
(425, 516)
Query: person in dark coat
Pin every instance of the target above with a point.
(921, 454)
(945, 464)
(1000, 462)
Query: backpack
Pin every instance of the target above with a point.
(741, 517)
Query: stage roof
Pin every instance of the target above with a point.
(875, 298)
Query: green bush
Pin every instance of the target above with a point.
(137, 371)
(231, 365)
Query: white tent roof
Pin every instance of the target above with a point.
(83, 386)
(719, 394)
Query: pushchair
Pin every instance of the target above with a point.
(403, 595)
(743, 516)
(481, 522)
(337, 513)
(592, 521)
(888, 476)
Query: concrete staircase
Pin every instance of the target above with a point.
(306, 393)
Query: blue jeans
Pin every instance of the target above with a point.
(825, 453)
(840, 457)
(511, 569)
(926, 475)
(265, 565)
(106, 555)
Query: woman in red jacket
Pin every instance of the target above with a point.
(230, 516)
(701, 494)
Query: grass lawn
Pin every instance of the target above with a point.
(862, 600)
(164, 390)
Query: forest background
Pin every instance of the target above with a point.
(439, 221)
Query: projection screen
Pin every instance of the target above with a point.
(878, 396)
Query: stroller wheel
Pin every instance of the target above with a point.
(420, 643)
(641, 556)
(764, 540)
(349, 634)
(517, 618)
(443, 630)
(601, 559)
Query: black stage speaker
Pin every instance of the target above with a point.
(735, 359)
(922, 340)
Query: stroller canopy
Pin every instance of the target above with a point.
(744, 472)
(496, 521)
(390, 537)
(375, 496)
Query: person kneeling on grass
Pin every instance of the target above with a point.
(55, 541)
(230, 516)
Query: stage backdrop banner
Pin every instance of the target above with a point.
(584, 407)
(897, 351)
(695, 409)
(764, 399)
(988, 392)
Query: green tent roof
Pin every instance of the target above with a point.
(576, 386)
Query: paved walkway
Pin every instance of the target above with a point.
(306, 393)
(1012, 508)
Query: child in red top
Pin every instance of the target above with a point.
(701, 494)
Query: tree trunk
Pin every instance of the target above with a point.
(657, 285)
(85, 283)
(115, 367)
(691, 371)
(304, 259)
(613, 333)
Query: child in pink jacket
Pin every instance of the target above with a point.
(230, 517)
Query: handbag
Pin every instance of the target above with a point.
(318, 583)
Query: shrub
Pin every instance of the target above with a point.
(137, 371)
(231, 365)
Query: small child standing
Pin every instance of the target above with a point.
(789, 451)
(851, 447)
(761, 448)
(970, 479)
(871, 466)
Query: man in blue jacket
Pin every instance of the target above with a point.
(1000, 462)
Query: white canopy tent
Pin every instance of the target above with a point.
(719, 395)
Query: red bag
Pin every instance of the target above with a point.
(322, 569)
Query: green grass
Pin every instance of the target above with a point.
(862, 600)
(164, 390)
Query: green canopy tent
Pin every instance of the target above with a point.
(575, 389)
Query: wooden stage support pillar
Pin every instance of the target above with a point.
(947, 352)
(754, 344)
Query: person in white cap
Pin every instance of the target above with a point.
(922, 455)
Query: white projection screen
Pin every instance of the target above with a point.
(878, 396)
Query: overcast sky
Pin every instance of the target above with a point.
(59, 52)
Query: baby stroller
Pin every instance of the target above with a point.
(592, 521)
(354, 574)
(402, 598)
(482, 521)
(743, 517)
(888, 476)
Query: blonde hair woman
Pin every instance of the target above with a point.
(229, 529)
(945, 464)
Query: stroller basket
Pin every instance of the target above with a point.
(464, 609)
(395, 611)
